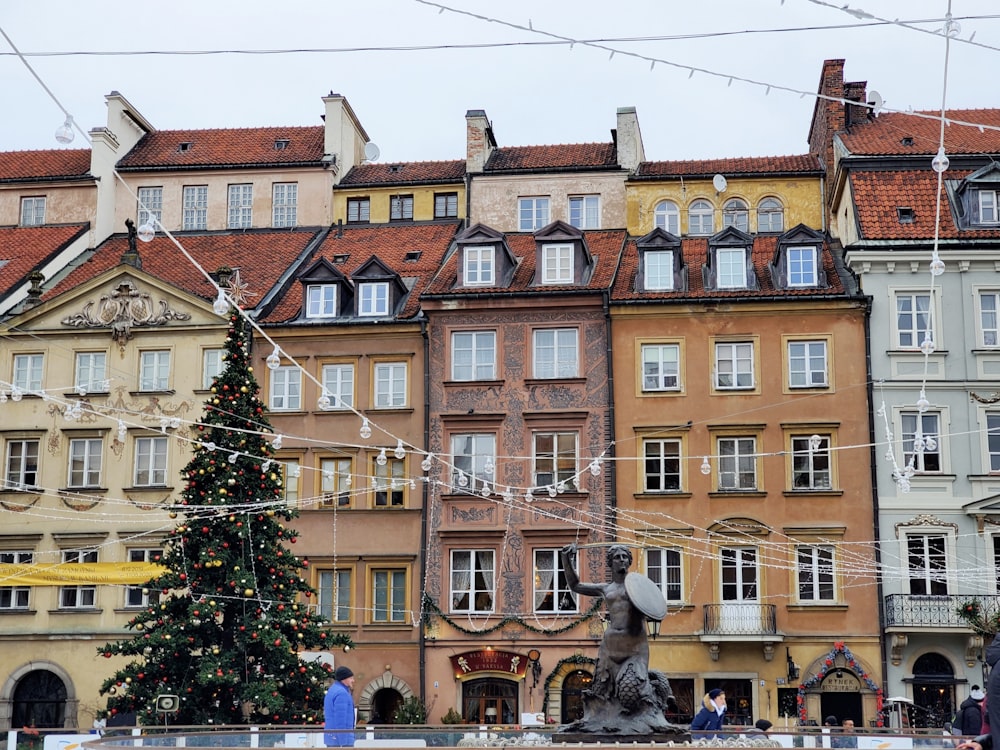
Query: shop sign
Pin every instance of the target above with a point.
(489, 660)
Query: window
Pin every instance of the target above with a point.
(732, 271)
(552, 592)
(78, 597)
(150, 462)
(770, 216)
(811, 462)
(15, 597)
(701, 217)
(815, 572)
(663, 567)
(472, 580)
(321, 300)
(389, 482)
(284, 204)
(557, 264)
(90, 372)
(739, 574)
(658, 269)
(28, 372)
(290, 481)
(473, 355)
(555, 458)
(479, 265)
(390, 385)
(445, 205)
(240, 206)
(150, 206)
(334, 595)
(85, 456)
(373, 298)
(807, 364)
(533, 213)
(660, 367)
(358, 210)
(555, 354)
(736, 213)
(140, 596)
(211, 366)
(921, 440)
(661, 465)
(195, 206)
(913, 319)
(32, 211)
(989, 305)
(585, 212)
(154, 371)
(400, 207)
(667, 217)
(389, 595)
(801, 266)
(988, 213)
(737, 463)
(473, 460)
(734, 365)
(22, 464)
(927, 564)
(286, 388)
(336, 481)
(338, 385)
(993, 442)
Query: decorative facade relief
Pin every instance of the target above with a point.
(122, 310)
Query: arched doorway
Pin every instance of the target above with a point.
(385, 703)
(39, 700)
(490, 701)
(572, 694)
(933, 690)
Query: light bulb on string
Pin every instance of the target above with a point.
(927, 345)
(815, 441)
(529, 497)
(366, 429)
(276, 443)
(930, 443)
(147, 231)
(294, 470)
(233, 456)
(400, 451)
(940, 162)
(3, 397)
(413, 483)
(561, 488)
(922, 403)
(706, 467)
(221, 304)
(488, 467)
(381, 459)
(551, 489)
(595, 467)
(425, 465)
(463, 480)
(485, 492)
(64, 133)
(324, 401)
(936, 265)
(273, 360)
(121, 431)
(16, 394)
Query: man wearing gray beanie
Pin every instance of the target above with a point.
(338, 709)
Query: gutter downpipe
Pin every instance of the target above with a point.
(612, 465)
(422, 649)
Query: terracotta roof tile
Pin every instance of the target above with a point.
(44, 165)
(695, 251)
(261, 256)
(743, 166)
(410, 172)
(163, 149)
(574, 155)
(390, 244)
(23, 249)
(885, 134)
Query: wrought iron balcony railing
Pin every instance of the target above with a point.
(920, 611)
(740, 619)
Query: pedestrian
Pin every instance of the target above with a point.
(707, 723)
(989, 740)
(846, 737)
(761, 726)
(338, 709)
(969, 719)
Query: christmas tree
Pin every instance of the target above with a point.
(226, 619)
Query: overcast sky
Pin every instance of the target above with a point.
(413, 103)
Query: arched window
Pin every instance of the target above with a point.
(39, 700)
(701, 217)
(572, 694)
(736, 213)
(933, 690)
(385, 703)
(770, 216)
(667, 217)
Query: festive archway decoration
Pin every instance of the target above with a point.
(830, 662)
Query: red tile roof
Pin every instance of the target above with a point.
(695, 251)
(49, 164)
(604, 246)
(573, 155)
(225, 147)
(877, 195)
(410, 172)
(884, 134)
(23, 249)
(390, 243)
(261, 256)
(748, 166)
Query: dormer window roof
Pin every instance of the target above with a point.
(484, 258)
(325, 291)
(798, 260)
(728, 265)
(562, 257)
(977, 198)
(380, 290)
(661, 263)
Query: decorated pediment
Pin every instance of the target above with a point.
(122, 310)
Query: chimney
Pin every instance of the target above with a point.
(479, 141)
(856, 92)
(628, 139)
(828, 113)
(344, 139)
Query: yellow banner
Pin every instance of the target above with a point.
(78, 574)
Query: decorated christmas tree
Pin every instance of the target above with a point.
(221, 639)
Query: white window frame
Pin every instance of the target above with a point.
(736, 213)
(16, 597)
(336, 480)
(808, 364)
(473, 355)
(557, 264)
(291, 477)
(390, 595)
(667, 216)
(445, 205)
(86, 456)
(912, 320)
(473, 457)
(391, 385)
(338, 384)
(21, 463)
(739, 568)
(389, 483)
(90, 372)
(532, 212)
(286, 388)
(284, 204)
(240, 206)
(195, 209)
(333, 595)
(658, 270)
(28, 372)
(473, 576)
(401, 207)
(554, 596)
(321, 300)
(731, 267)
(140, 596)
(555, 456)
(815, 573)
(737, 463)
(701, 217)
(665, 568)
(150, 468)
(989, 318)
(661, 368)
(927, 569)
(989, 207)
(802, 266)
(929, 424)
(360, 208)
(33, 211)
(154, 370)
(662, 465)
(585, 211)
(373, 298)
(555, 353)
(735, 360)
(150, 204)
(212, 366)
(479, 265)
(812, 467)
(993, 442)
(78, 597)
(770, 215)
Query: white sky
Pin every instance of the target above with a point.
(413, 103)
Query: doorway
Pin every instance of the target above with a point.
(385, 703)
(39, 701)
(490, 701)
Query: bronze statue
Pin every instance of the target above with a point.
(626, 697)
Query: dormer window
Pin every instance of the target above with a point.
(321, 301)
(373, 298)
(281, 144)
(732, 267)
(184, 146)
(659, 269)
(797, 261)
(557, 264)
(988, 207)
(905, 214)
(480, 265)
(801, 266)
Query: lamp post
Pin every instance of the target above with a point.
(653, 628)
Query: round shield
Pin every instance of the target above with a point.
(645, 596)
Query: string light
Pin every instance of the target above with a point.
(64, 133)
(400, 451)
(366, 429)
(273, 360)
(221, 304)
(426, 463)
(324, 401)
(381, 459)
(147, 231)
(706, 467)
(276, 443)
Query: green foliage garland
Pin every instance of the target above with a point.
(574, 659)
(431, 608)
(985, 620)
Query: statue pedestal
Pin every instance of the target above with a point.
(593, 738)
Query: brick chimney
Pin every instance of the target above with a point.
(479, 141)
(856, 92)
(628, 139)
(828, 114)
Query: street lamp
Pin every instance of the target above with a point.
(653, 628)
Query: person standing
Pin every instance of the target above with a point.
(338, 709)
(707, 723)
(969, 719)
(989, 740)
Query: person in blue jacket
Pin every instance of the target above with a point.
(708, 721)
(338, 709)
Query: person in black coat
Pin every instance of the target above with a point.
(989, 741)
(970, 713)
